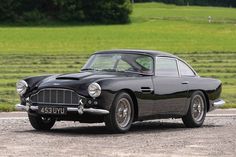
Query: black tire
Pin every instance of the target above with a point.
(189, 119)
(40, 123)
(111, 120)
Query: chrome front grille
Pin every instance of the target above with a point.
(55, 97)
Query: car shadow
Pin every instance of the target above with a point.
(101, 130)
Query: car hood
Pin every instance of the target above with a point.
(85, 75)
(78, 82)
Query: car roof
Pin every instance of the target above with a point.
(147, 52)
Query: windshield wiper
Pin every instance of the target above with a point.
(127, 71)
(140, 73)
(108, 70)
(85, 69)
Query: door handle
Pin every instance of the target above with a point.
(185, 82)
(146, 90)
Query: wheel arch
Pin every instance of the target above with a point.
(207, 99)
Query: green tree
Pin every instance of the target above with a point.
(107, 11)
(101, 11)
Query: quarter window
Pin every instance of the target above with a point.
(185, 70)
(166, 67)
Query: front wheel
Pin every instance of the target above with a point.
(197, 110)
(121, 114)
(41, 123)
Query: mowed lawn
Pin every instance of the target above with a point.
(209, 47)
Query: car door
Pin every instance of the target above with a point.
(169, 88)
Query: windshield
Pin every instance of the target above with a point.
(135, 63)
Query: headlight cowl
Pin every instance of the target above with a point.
(94, 90)
(21, 87)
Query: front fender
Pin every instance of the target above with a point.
(32, 83)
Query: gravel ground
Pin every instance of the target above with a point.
(152, 138)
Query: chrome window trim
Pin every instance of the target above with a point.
(170, 58)
(194, 72)
(88, 63)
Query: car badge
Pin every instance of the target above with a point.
(56, 84)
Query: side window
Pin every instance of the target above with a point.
(185, 70)
(166, 67)
(146, 63)
(123, 66)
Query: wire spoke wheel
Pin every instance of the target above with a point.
(121, 115)
(123, 112)
(198, 108)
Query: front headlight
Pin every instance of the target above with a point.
(94, 90)
(21, 87)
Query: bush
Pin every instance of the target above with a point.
(102, 11)
(33, 16)
(107, 11)
(8, 10)
(67, 10)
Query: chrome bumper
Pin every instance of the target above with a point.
(218, 103)
(80, 110)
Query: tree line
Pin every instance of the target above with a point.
(223, 3)
(95, 11)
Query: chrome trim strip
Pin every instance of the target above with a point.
(96, 111)
(42, 103)
(20, 107)
(72, 109)
(34, 108)
(219, 103)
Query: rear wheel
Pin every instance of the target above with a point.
(121, 114)
(197, 110)
(41, 123)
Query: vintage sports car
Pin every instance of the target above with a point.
(119, 87)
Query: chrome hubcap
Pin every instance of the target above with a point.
(123, 112)
(198, 108)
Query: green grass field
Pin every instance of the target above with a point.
(209, 47)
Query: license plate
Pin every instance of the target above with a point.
(52, 110)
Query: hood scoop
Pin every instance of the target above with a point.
(67, 78)
(74, 76)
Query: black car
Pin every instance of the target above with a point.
(119, 87)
